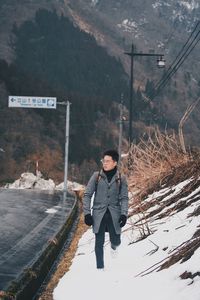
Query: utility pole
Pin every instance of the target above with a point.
(67, 103)
(120, 128)
(160, 64)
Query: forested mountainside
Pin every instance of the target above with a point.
(55, 58)
(74, 50)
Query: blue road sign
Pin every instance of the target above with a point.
(32, 102)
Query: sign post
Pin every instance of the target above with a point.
(67, 103)
(48, 103)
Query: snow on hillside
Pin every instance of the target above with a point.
(190, 6)
(94, 2)
(161, 266)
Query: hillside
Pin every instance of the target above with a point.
(161, 264)
(160, 242)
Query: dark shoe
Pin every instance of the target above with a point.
(114, 247)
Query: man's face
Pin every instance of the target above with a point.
(108, 163)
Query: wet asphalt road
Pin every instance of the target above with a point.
(28, 220)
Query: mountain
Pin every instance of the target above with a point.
(154, 27)
(53, 57)
(75, 49)
(139, 21)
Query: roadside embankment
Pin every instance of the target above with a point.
(65, 262)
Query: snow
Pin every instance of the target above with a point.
(190, 6)
(94, 2)
(30, 181)
(134, 272)
(160, 4)
(51, 211)
(129, 26)
(183, 11)
(73, 186)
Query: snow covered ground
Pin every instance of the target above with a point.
(30, 181)
(133, 273)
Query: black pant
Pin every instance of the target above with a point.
(106, 224)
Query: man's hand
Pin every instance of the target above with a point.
(88, 220)
(122, 220)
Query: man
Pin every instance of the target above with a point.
(110, 204)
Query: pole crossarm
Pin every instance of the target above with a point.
(143, 54)
(62, 103)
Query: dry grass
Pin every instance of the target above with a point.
(153, 160)
(65, 263)
(157, 161)
(160, 161)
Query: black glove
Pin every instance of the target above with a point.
(88, 220)
(122, 220)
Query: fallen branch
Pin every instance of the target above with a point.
(177, 256)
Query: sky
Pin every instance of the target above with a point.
(125, 274)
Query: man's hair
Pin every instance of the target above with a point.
(113, 153)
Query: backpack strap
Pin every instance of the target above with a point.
(119, 181)
(97, 181)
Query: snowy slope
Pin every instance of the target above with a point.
(145, 268)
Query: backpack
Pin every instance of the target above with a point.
(118, 181)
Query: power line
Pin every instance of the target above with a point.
(180, 53)
(170, 35)
(181, 57)
(174, 69)
(170, 67)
